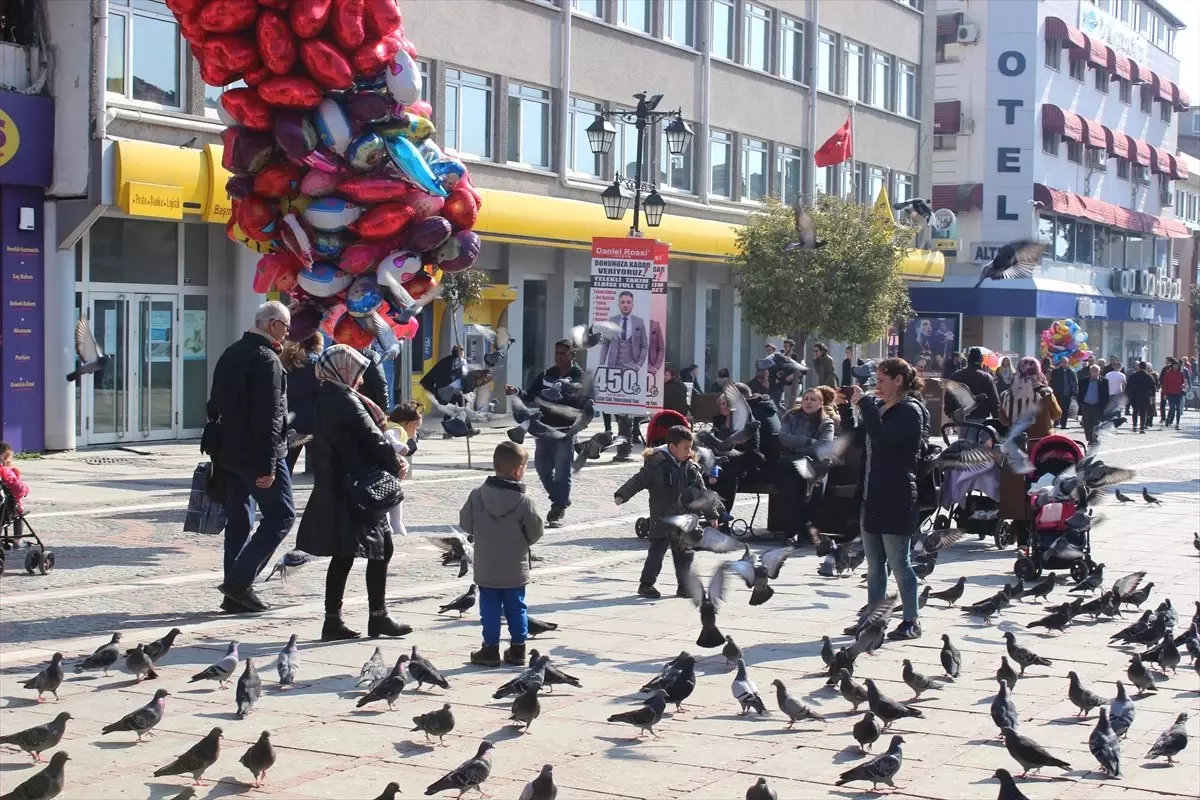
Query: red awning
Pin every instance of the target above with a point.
(947, 25)
(1097, 53)
(1119, 66)
(1160, 160)
(1139, 151)
(1171, 228)
(1093, 134)
(1179, 170)
(1104, 213)
(1165, 90)
(1137, 73)
(1180, 99)
(1117, 144)
(1055, 120)
(947, 116)
(958, 197)
(1069, 36)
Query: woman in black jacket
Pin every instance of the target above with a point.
(890, 431)
(349, 442)
(374, 382)
(299, 362)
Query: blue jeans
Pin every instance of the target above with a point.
(884, 551)
(246, 555)
(1174, 409)
(512, 603)
(552, 460)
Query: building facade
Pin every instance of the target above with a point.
(1057, 121)
(134, 218)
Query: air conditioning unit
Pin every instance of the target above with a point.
(968, 34)
(966, 126)
(1096, 159)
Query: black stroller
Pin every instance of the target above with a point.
(14, 526)
(971, 499)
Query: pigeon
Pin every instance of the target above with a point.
(538, 627)
(39, 738)
(1168, 654)
(668, 672)
(916, 681)
(222, 670)
(45, 785)
(1124, 498)
(951, 658)
(104, 657)
(1022, 655)
(708, 601)
(468, 775)
(918, 211)
(457, 548)
(143, 720)
(1056, 620)
(870, 637)
(288, 563)
(1149, 498)
(732, 652)
(373, 670)
(388, 689)
(435, 723)
(1125, 634)
(1139, 676)
(1196, 539)
(881, 769)
(757, 572)
(389, 792)
(1168, 613)
(1008, 786)
(853, 693)
(1043, 588)
(259, 758)
(286, 663)
(1105, 746)
(1028, 753)
(526, 707)
(462, 604)
(1083, 698)
(867, 732)
(531, 420)
(422, 670)
(887, 709)
(986, 609)
(1091, 583)
(843, 659)
(542, 787)
(188, 793)
(532, 678)
(1006, 673)
(1004, 708)
(554, 675)
(585, 337)
(792, 708)
(761, 790)
(249, 689)
(806, 232)
(137, 662)
(1172, 741)
(1138, 596)
(199, 757)
(160, 647)
(593, 447)
(952, 594)
(645, 717)
(49, 679)
(826, 650)
(873, 614)
(745, 692)
(92, 358)
(1106, 603)
(1121, 712)
(681, 682)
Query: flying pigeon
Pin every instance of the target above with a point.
(388, 689)
(645, 717)
(1105, 746)
(456, 548)
(554, 675)
(867, 731)
(259, 758)
(792, 708)
(881, 769)
(222, 670)
(1028, 753)
(756, 572)
(1149, 498)
(887, 709)
(92, 358)
(143, 719)
(435, 723)
(288, 562)
(39, 738)
(951, 657)
(1013, 261)
(708, 601)
(806, 232)
(46, 784)
(374, 670)
(1004, 710)
(593, 447)
(422, 670)
(105, 656)
(542, 787)
(137, 662)
(286, 664)
(1172, 741)
(462, 604)
(249, 689)
(919, 211)
(1023, 655)
(49, 679)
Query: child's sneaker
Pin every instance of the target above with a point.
(906, 630)
(487, 656)
(649, 591)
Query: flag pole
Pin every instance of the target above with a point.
(814, 81)
(853, 180)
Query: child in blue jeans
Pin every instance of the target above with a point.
(504, 523)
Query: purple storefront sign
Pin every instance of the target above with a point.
(26, 148)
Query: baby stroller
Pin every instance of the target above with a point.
(971, 498)
(14, 526)
(1050, 456)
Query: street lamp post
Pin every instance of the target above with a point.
(602, 133)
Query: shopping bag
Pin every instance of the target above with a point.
(203, 514)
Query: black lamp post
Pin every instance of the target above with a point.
(602, 133)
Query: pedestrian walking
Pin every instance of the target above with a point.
(982, 385)
(1093, 399)
(1030, 393)
(1139, 389)
(1174, 387)
(824, 371)
(1005, 375)
(247, 410)
(299, 362)
(1065, 384)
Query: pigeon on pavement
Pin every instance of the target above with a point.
(881, 769)
(1172, 741)
(462, 604)
(1028, 753)
(143, 719)
(887, 709)
(389, 792)
(1105, 746)
(287, 664)
(1042, 589)
(39, 738)
(1056, 620)
(645, 717)
(532, 678)
(951, 658)
(198, 758)
(1139, 676)
(49, 679)
(554, 675)
(826, 650)
(422, 670)
(1004, 709)
(1138, 596)
(667, 673)
(1149, 498)
(538, 627)
(1121, 712)
(1006, 673)
(761, 790)
(288, 563)
(916, 681)
(867, 731)
(468, 775)
(160, 647)
(1083, 698)
(680, 683)
(137, 662)
(952, 594)
(222, 670)
(249, 689)
(435, 723)
(792, 708)
(105, 656)
(1008, 786)
(388, 689)
(45, 785)
(1023, 655)
(526, 707)
(1125, 585)
(542, 787)
(853, 693)
(732, 652)
(745, 692)
(1091, 583)
(1123, 498)
(374, 669)
(259, 758)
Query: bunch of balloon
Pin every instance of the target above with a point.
(1065, 342)
(336, 178)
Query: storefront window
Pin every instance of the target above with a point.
(1016, 336)
(134, 251)
(1064, 240)
(1083, 243)
(533, 342)
(1136, 253)
(1116, 250)
(1162, 249)
(194, 349)
(1112, 340)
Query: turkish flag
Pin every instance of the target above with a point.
(837, 148)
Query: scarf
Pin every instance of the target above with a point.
(344, 366)
(1022, 397)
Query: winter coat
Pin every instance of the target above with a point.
(544, 380)
(249, 397)
(1173, 381)
(675, 396)
(1083, 387)
(504, 523)
(446, 371)
(892, 441)
(825, 372)
(1048, 412)
(346, 443)
(980, 383)
(374, 384)
(1140, 389)
(1064, 381)
(302, 395)
(670, 484)
(766, 441)
(800, 433)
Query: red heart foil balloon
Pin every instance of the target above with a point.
(381, 17)
(465, 182)
(214, 74)
(231, 51)
(276, 42)
(309, 17)
(424, 205)
(290, 91)
(347, 331)
(420, 285)
(318, 183)
(382, 221)
(362, 256)
(406, 330)
(179, 7)
(405, 44)
(229, 16)
(192, 30)
(373, 55)
(246, 151)
(278, 180)
(460, 209)
(346, 24)
(247, 108)
(371, 189)
(264, 274)
(278, 5)
(326, 64)
(257, 217)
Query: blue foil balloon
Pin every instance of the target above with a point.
(327, 246)
(404, 154)
(364, 296)
(323, 279)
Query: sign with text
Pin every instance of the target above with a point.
(1100, 25)
(629, 278)
(26, 139)
(153, 200)
(22, 323)
(1009, 120)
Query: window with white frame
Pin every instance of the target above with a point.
(212, 95)
(876, 179)
(634, 14)
(1125, 91)
(791, 49)
(1053, 54)
(675, 172)
(1141, 175)
(1049, 143)
(468, 113)
(1074, 151)
(529, 125)
(1123, 168)
(1147, 99)
(722, 29)
(1101, 78)
(625, 156)
(754, 169)
(679, 21)
(582, 160)
(144, 59)
(904, 187)
(592, 8)
(854, 56)
(827, 61)
(756, 25)
(1164, 112)
(1078, 69)
(825, 179)
(851, 180)
(423, 68)
(789, 174)
(881, 80)
(906, 89)
(720, 153)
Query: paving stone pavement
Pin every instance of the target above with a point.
(124, 564)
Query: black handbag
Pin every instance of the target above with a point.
(372, 494)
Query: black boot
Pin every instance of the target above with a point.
(487, 656)
(335, 630)
(380, 624)
(515, 654)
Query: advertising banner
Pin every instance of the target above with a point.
(626, 369)
(929, 341)
(22, 323)
(26, 139)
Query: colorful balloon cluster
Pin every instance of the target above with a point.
(337, 181)
(1065, 342)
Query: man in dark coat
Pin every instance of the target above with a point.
(1139, 390)
(1093, 399)
(248, 403)
(1064, 382)
(675, 393)
(981, 384)
(953, 364)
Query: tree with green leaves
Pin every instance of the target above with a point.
(460, 291)
(850, 289)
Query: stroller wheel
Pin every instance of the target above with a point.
(33, 558)
(739, 529)
(642, 527)
(1004, 535)
(46, 565)
(1079, 569)
(1025, 569)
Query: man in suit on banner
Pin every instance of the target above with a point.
(628, 351)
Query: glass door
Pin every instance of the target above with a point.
(155, 355)
(110, 398)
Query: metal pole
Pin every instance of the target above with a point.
(853, 175)
(642, 115)
(812, 101)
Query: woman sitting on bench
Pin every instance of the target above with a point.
(806, 426)
(754, 460)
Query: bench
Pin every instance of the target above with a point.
(775, 511)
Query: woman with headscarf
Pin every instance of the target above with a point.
(348, 442)
(1030, 393)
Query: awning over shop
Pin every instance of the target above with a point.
(958, 197)
(1139, 151)
(1092, 51)
(157, 180)
(1179, 170)
(1066, 123)
(1093, 134)
(1120, 66)
(1163, 88)
(1089, 208)
(1160, 161)
(947, 116)
(1069, 35)
(1180, 98)
(1117, 144)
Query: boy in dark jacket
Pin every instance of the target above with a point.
(668, 474)
(504, 523)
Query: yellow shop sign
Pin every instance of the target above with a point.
(154, 200)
